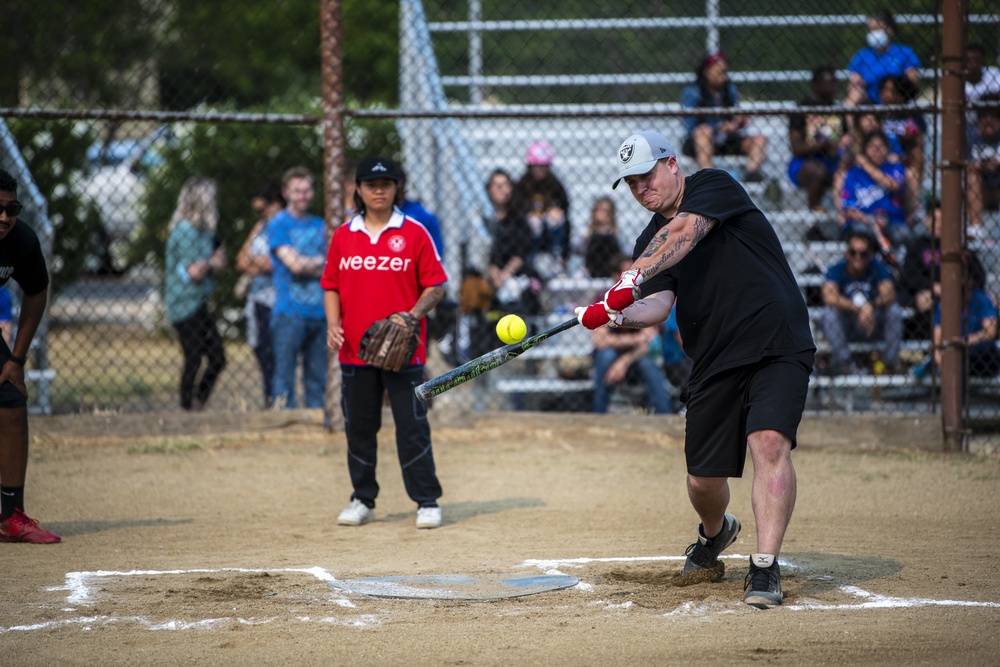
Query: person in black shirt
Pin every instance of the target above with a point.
(746, 328)
(21, 259)
(511, 270)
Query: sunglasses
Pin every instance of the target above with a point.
(12, 209)
(858, 253)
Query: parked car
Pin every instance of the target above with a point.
(115, 182)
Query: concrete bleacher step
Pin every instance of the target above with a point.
(531, 384)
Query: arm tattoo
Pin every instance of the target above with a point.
(683, 243)
(428, 300)
(629, 323)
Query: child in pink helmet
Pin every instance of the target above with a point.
(540, 196)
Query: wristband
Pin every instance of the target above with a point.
(20, 361)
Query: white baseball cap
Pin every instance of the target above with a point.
(640, 153)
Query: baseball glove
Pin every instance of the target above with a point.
(390, 343)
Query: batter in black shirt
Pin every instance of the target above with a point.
(744, 324)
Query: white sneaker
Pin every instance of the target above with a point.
(428, 517)
(355, 514)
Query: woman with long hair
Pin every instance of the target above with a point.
(194, 257)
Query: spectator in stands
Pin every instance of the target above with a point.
(872, 195)
(6, 317)
(862, 124)
(21, 260)
(516, 284)
(732, 134)
(919, 274)
(919, 280)
(254, 262)
(979, 325)
(817, 139)
(602, 243)
(416, 210)
(879, 59)
(859, 304)
(619, 350)
(541, 198)
(508, 258)
(298, 321)
(980, 81)
(983, 173)
(194, 258)
(910, 130)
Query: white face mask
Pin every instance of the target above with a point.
(878, 39)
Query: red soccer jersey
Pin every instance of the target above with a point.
(380, 275)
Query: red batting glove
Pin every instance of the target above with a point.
(625, 291)
(597, 316)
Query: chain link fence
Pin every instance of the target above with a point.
(498, 108)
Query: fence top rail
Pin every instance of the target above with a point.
(636, 78)
(677, 22)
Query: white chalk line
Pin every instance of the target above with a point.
(80, 592)
(80, 587)
(870, 600)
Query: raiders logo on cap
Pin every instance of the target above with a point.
(625, 154)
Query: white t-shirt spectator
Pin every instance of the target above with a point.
(989, 84)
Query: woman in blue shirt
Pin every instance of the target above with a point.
(979, 325)
(881, 58)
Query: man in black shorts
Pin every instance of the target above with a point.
(744, 324)
(21, 259)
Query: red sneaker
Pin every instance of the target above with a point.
(19, 527)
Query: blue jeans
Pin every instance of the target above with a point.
(652, 377)
(291, 338)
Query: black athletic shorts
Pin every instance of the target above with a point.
(10, 397)
(722, 410)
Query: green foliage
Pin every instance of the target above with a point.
(75, 43)
(56, 152)
(270, 46)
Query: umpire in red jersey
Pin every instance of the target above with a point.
(745, 326)
(21, 259)
(382, 263)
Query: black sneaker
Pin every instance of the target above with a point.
(704, 554)
(763, 582)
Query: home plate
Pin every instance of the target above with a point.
(456, 586)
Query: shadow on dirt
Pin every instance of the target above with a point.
(455, 512)
(77, 528)
(821, 572)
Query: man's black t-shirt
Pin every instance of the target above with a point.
(21, 258)
(737, 300)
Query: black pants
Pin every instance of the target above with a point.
(361, 399)
(199, 339)
(264, 350)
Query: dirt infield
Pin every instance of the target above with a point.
(211, 539)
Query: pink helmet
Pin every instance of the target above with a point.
(539, 152)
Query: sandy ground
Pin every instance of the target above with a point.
(211, 539)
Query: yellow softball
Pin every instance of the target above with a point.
(511, 329)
